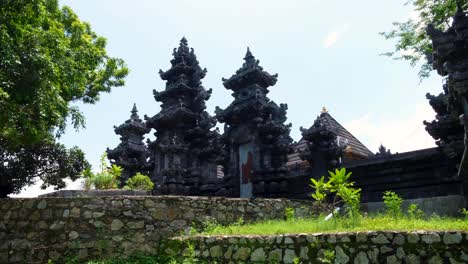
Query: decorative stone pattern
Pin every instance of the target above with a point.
(39, 229)
(357, 247)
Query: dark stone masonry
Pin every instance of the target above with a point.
(38, 229)
(352, 247)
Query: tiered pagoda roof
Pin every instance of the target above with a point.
(250, 73)
(128, 130)
(355, 150)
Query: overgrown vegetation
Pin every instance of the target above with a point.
(107, 178)
(139, 182)
(342, 224)
(393, 204)
(338, 189)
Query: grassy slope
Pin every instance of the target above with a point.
(377, 223)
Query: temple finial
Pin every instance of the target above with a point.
(249, 56)
(183, 41)
(324, 110)
(134, 112)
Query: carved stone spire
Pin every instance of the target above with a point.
(383, 151)
(186, 148)
(323, 151)
(255, 137)
(131, 153)
(134, 112)
(449, 58)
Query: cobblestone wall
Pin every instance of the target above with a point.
(53, 228)
(358, 248)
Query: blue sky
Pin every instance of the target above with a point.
(326, 53)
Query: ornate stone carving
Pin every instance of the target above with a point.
(450, 59)
(186, 148)
(446, 129)
(255, 137)
(383, 152)
(131, 154)
(323, 150)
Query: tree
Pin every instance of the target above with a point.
(23, 164)
(49, 61)
(413, 44)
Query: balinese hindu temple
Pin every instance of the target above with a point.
(256, 157)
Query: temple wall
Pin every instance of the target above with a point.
(39, 229)
(413, 175)
(425, 177)
(355, 247)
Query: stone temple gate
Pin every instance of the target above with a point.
(256, 157)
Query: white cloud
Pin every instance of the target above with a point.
(399, 135)
(332, 37)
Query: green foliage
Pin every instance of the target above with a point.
(107, 178)
(289, 214)
(139, 182)
(393, 204)
(464, 212)
(49, 60)
(338, 184)
(412, 42)
(414, 212)
(328, 256)
(22, 164)
(320, 189)
(342, 224)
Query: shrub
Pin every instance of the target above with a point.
(139, 182)
(393, 204)
(414, 212)
(289, 214)
(107, 178)
(464, 212)
(341, 188)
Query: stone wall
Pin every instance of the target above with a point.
(38, 229)
(358, 248)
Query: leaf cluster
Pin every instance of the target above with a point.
(393, 204)
(49, 59)
(23, 164)
(107, 178)
(340, 187)
(412, 42)
(139, 182)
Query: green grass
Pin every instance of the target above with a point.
(376, 223)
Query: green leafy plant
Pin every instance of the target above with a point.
(139, 182)
(107, 178)
(393, 204)
(341, 188)
(297, 260)
(464, 212)
(414, 212)
(328, 256)
(289, 214)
